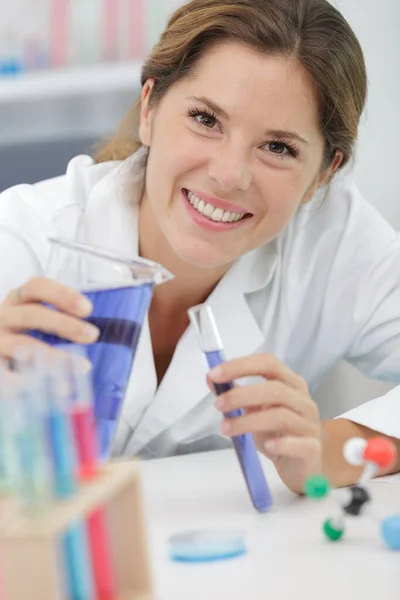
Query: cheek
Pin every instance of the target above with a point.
(285, 206)
(177, 145)
(281, 198)
(284, 193)
(173, 165)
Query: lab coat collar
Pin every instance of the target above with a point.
(110, 216)
(111, 220)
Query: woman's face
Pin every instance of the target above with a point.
(234, 150)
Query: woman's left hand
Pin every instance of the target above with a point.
(279, 412)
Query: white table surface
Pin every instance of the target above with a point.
(287, 557)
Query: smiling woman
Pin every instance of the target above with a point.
(248, 109)
(248, 178)
(261, 102)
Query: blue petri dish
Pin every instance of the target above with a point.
(203, 545)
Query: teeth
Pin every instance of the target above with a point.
(209, 211)
(217, 214)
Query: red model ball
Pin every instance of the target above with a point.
(380, 451)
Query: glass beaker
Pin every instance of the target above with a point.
(120, 289)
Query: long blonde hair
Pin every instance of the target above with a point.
(313, 31)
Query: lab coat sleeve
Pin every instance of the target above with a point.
(376, 348)
(24, 228)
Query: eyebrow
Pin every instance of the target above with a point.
(278, 133)
(212, 105)
(282, 133)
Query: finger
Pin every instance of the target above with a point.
(41, 289)
(264, 365)
(306, 448)
(24, 348)
(37, 317)
(277, 421)
(11, 342)
(211, 385)
(267, 394)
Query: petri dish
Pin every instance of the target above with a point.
(206, 545)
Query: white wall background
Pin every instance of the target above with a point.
(377, 167)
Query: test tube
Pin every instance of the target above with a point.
(29, 435)
(83, 421)
(9, 464)
(205, 327)
(81, 411)
(64, 459)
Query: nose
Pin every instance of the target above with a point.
(229, 167)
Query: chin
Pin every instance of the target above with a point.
(203, 256)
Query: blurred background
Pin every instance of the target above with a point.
(69, 70)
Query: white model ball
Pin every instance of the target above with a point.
(353, 451)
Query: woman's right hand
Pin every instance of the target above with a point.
(22, 310)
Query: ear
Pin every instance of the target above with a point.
(324, 176)
(145, 113)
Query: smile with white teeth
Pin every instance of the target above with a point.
(212, 213)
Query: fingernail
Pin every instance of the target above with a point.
(84, 306)
(90, 332)
(82, 365)
(216, 372)
(226, 427)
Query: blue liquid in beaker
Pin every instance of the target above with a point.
(119, 314)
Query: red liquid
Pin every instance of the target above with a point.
(83, 424)
(103, 573)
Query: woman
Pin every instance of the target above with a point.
(226, 172)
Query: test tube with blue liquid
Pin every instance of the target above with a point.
(75, 545)
(120, 289)
(27, 423)
(205, 327)
(10, 474)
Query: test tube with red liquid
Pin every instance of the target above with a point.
(87, 449)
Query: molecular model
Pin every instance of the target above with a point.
(374, 454)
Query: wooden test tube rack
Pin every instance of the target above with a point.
(29, 545)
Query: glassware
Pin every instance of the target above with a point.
(120, 289)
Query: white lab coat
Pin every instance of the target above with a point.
(327, 288)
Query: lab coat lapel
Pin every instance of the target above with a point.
(184, 385)
(110, 218)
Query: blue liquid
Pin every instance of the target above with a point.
(74, 541)
(62, 454)
(119, 314)
(77, 563)
(245, 449)
(206, 546)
